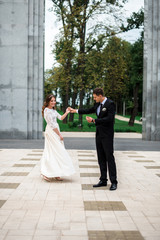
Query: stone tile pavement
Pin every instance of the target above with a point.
(31, 208)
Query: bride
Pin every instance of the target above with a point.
(55, 161)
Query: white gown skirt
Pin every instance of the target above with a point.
(55, 161)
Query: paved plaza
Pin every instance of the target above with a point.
(31, 208)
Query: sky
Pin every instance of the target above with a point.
(52, 28)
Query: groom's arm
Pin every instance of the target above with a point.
(83, 111)
(86, 111)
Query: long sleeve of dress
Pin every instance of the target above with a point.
(58, 115)
(50, 119)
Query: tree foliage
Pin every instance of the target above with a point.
(117, 59)
(136, 76)
(135, 21)
(88, 54)
(77, 38)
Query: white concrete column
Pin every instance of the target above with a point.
(21, 68)
(151, 81)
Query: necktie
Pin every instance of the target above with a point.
(101, 106)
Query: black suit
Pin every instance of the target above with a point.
(104, 138)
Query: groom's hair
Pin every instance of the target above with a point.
(98, 91)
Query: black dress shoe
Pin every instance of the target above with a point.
(100, 184)
(113, 186)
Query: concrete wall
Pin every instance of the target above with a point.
(21, 68)
(151, 83)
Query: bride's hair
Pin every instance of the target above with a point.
(46, 103)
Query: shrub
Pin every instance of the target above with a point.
(74, 124)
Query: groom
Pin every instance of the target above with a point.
(105, 111)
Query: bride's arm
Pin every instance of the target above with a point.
(58, 133)
(64, 115)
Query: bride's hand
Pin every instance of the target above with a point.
(61, 137)
(68, 110)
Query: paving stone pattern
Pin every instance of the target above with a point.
(34, 154)
(88, 160)
(15, 174)
(135, 156)
(37, 150)
(84, 151)
(2, 202)
(85, 156)
(104, 206)
(90, 187)
(24, 165)
(9, 185)
(115, 235)
(88, 166)
(129, 152)
(152, 167)
(33, 209)
(144, 161)
(89, 175)
(30, 159)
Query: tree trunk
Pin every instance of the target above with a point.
(68, 65)
(71, 117)
(135, 107)
(64, 108)
(124, 108)
(67, 88)
(81, 105)
(81, 64)
(88, 99)
(116, 107)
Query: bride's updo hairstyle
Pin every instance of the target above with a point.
(46, 103)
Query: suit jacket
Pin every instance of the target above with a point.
(105, 119)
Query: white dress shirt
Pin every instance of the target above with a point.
(98, 109)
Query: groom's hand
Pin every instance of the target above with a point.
(89, 119)
(72, 110)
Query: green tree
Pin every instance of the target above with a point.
(135, 21)
(95, 65)
(117, 59)
(48, 84)
(64, 50)
(136, 75)
(74, 16)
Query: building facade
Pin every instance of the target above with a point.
(151, 81)
(21, 68)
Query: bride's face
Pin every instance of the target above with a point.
(52, 102)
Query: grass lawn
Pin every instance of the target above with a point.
(120, 126)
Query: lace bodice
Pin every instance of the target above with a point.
(51, 116)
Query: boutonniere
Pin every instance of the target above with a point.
(103, 109)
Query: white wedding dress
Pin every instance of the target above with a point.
(55, 161)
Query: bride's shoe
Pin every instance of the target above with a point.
(46, 178)
(58, 179)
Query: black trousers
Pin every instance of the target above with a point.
(106, 158)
